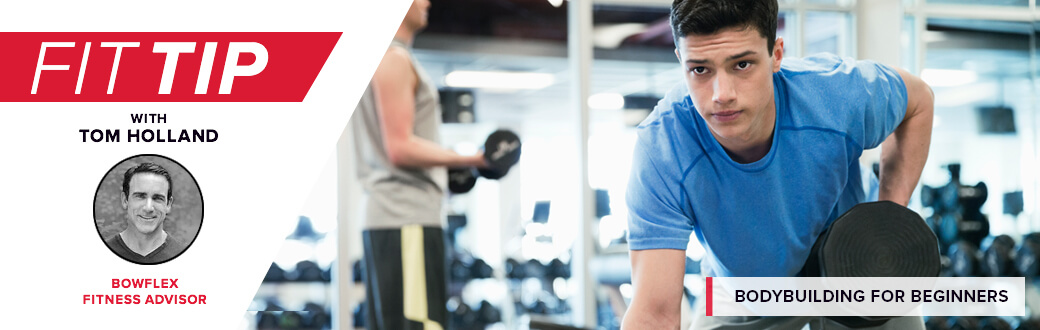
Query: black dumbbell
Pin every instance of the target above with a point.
(290, 320)
(972, 198)
(945, 226)
(314, 316)
(308, 271)
(534, 268)
(973, 229)
(460, 271)
(539, 307)
(359, 271)
(948, 196)
(488, 314)
(930, 197)
(274, 274)
(997, 259)
(960, 226)
(463, 317)
(557, 268)
(1026, 257)
(514, 269)
(858, 244)
(266, 321)
(462, 180)
(492, 174)
(964, 259)
(502, 150)
(360, 312)
(481, 269)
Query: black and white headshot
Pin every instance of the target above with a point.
(148, 209)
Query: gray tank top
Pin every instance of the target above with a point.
(399, 196)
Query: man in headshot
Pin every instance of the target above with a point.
(147, 198)
(756, 159)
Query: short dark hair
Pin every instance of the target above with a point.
(709, 16)
(147, 168)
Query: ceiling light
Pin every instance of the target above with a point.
(556, 3)
(948, 78)
(501, 80)
(607, 101)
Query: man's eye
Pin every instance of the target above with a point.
(699, 70)
(743, 65)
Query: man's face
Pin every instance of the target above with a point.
(730, 75)
(417, 14)
(147, 204)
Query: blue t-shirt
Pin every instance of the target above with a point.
(761, 218)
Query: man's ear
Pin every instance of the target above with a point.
(124, 200)
(778, 53)
(678, 56)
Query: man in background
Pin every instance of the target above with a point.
(402, 168)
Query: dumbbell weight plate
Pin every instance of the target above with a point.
(461, 180)
(946, 229)
(557, 268)
(514, 269)
(493, 174)
(997, 260)
(534, 268)
(502, 150)
(1026, 258)
(460, 271)
(964, 260)
(481, 269)
(879, 239)
(488, 314)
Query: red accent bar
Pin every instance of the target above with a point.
(707, 290)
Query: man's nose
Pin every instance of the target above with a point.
(725, 89)
(148, 205)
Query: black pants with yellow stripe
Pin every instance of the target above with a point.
(405, 278)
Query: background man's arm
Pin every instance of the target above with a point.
(903, 154)
(657, 279)
(394, 85)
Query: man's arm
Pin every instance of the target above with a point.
(904, 153)
(394, 86)
(657, 279)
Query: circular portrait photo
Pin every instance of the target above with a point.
(148, 209)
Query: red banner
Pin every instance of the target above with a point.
(161, 66)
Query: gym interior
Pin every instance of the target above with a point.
(545, 246)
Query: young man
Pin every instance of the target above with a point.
(757, 159)
(147, 198)
(402, 169)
